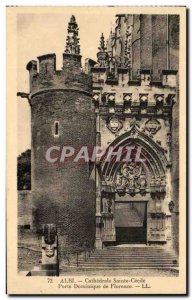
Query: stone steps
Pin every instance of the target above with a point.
(168, 266)
(172, 261)
(93, 259)
(129, 258)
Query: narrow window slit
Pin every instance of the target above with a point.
(56, 129)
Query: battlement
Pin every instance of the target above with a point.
(47, 63)
(43, 75)
(121, 95)
(102, 76)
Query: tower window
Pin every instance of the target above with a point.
(56, 128)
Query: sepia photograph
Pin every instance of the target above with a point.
(97, 190)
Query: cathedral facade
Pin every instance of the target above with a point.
(128, 101)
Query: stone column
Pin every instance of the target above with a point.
(167, 200)
(98, 241)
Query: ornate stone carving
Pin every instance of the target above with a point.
(49, 250)
(128, 47)
(127, 97)
(111, 97)
(145, 77)
(109, 205)
(50, 262)
(131, 178)
(96, 97)
(143, 97)
(49, 242)
(157, 185)
(114, 124)
(152, 125)
(156, 163)
(102, 56)
(72, 42)
(171, 99)
(111, 72)
(134, 122)
(159, 98)
(169, 137)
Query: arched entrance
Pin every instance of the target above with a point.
(134, 192)
(131, 222)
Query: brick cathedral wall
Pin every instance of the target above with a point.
(159, 48)
(24, 208)
(173, 42)
(136, 47)
(146, 42)
(63, 193)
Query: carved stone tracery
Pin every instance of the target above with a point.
(152, 126)
(72, 41)
(102, 56)
(49, 240)
(131, 177)
(155, 165)
(114, 124)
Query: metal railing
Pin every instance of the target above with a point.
(75, 257)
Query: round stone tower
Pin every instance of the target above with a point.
(61, 115)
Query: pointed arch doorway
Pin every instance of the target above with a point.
(134, 194)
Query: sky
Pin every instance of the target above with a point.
(41, 33)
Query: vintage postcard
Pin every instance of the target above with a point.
(96, 140)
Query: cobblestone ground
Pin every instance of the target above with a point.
(28, 259)
(29, 251)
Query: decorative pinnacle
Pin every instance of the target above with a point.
(110, 41)
(72, 41)
(102, 43)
